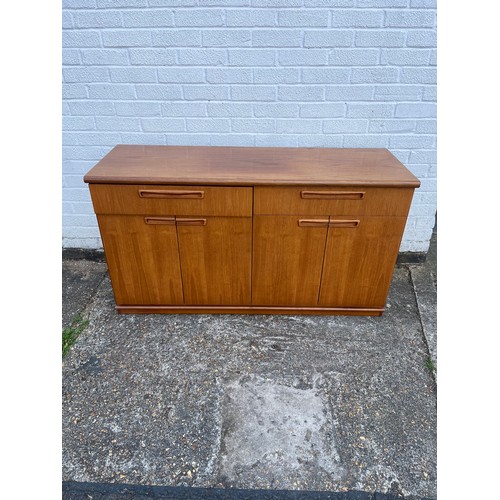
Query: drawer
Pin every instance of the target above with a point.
(332, 200)
(132, 199)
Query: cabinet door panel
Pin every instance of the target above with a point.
(359, 261)
(143, 259)
(216, 259)
(288, 258)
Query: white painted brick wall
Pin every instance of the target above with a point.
(313, 73)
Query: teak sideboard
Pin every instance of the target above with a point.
(250, 230)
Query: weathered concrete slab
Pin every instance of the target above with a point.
(80, 280)
(182, 400)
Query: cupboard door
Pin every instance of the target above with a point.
(360, 256)
(288, 258)
(143, 259)
(216, 255)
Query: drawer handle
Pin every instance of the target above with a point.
(191, 222)
(171, 194)
(313, 222)
(160, 220)
(343, 223)
(332, 195)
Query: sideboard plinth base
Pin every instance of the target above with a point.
(346, 311)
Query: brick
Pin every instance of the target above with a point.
(423, 157)
(206, 92)
(418, 75)
(163, 125)
(256, 125)
(117, 123)
(370, 110)
(98, 139)
(415, 110)
(353, 57)
(276, 3)
(181, 75)
(325, 75)
(430, 93)
(287, 126)
(159, 92)
(113, 4)
(80, 39)
(251, 57)
(251, 18)
(126, 38)
(303, 57)
(405, 57)
(92, 108)
(423, 4)
(188, 140)
(199, 17)
(426, 126)
(421, 38)
(65, 108)
(152, 57)
(229, 75)
(274, 140)
(253, 93)
(133, 75)
(357, 18)
(224, 3)
(236, 109)
(176, 38)
(85, 74)
(184, 109)
(276, 75)
(67, 20)
(345, 126)
(105, 57)
(366, 141)
(433, 58)
(227, 38)
(202, 57)
(84, 152)
(349, 93)
(302, 18)
(96, 19)
(322, 110)
(76, 194)
(208, 125)
(137, 109)
(147, 138)
(78, 123)
(329, 3)
(320, 141)
(391, 126)
(301, 93)
(384, 38)
(381, 3)
(172, 3)
(412, 142)
(74, 91)
(276, 38)
(328, 38)
(398, 93)
(78, 4)
(402, 155)
(374, 75)
(276, 110)
(409, 19)
(232, 139)
(71, 57)
(147, 18)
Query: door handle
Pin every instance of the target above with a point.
(343, 223)
(191, 222)
(313, 222)
(171, 194)
(332, 195)
(160, 220)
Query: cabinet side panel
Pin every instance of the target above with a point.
(287, 261)
(143, 260)
(359, 262)
(216, 261)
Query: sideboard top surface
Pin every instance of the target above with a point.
(214, 165)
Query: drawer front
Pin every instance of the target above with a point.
(332, 200)
(171, 200)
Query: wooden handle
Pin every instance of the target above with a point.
(313, 222)
(343, 223)
(332, 195)
(191, 222)
(171, 194)
(160, 220)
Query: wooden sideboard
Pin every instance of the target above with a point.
(190, 229)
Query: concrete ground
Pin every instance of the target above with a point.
(310, 403)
